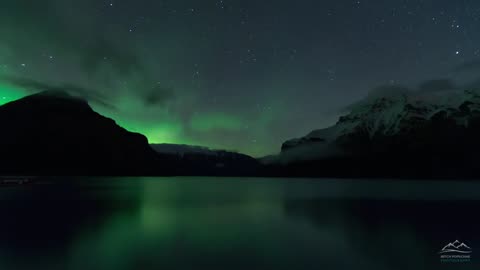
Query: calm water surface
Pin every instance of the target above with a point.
(236, 223)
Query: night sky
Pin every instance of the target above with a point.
(240, 75)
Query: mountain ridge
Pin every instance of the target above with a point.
(54, 133)
(392, 136)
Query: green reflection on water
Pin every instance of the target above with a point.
(185, 223)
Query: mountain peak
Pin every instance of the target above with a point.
(55, 133)
(56, 95)
(413, 134)
(54, 101)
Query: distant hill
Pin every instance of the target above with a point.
(198, 160)
(181, 149)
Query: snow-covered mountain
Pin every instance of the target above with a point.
(405, 122)
(395, 114)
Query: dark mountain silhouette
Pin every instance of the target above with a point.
(404, 135)
(53, 133)
(407, 135)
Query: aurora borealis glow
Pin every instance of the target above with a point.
(240, 75)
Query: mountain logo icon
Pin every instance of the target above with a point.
(456, 247)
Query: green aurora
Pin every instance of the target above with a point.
(174, 77)
(236, 75)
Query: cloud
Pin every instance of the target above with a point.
(60, 26)
(122, 60)
(158, 95)
(90, 48)
(208, 122)
(469, 66)
(396, 91)
(388, 90)
(437, 85)
(37, 86)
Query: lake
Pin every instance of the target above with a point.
(237, 223)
